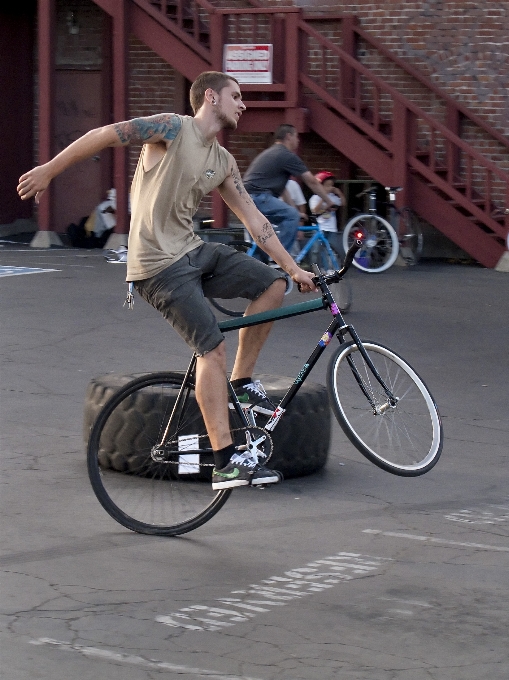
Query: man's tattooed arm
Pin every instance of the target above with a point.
(237, 180)
(266, 233)
(163, 127)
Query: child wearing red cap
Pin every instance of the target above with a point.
(327, 218)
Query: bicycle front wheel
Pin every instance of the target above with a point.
(380, 243)
(404, 437)
(163, 490)
(410, 236)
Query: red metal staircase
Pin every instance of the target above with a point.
(323, 87)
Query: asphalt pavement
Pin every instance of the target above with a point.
(420, 588)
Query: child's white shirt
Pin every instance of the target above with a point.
(327, 220)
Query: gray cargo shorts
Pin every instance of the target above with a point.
(179, 292)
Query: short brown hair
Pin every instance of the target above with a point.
(213, 79)
(283, 130)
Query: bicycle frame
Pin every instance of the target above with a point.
(317, 236)
(337, 328)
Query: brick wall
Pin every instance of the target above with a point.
(462, 46)
(151, 89)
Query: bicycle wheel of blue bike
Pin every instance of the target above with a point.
(403, 436)
(380, 246)
(153, 489)
(410, 237)
(236, 307)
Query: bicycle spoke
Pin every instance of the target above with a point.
(405, 438)
(148, 485)
(380, 244)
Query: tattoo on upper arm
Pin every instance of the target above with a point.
(166, 125)
(267, 232)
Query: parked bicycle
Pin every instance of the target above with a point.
(384, 240)
(317, 250)
(150, 460)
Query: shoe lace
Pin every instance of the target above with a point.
(244, 459)
(257, 387)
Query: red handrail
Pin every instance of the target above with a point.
(418, 75)
(341, 81)
(437, 132)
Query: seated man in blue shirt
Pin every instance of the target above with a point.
(266, 178)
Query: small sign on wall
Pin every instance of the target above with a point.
(248, 63)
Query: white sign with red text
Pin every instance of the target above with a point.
(248, 63)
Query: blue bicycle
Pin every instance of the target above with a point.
(316, 251)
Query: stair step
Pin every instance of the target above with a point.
(479, 202)
(477, 221)
(188, 19)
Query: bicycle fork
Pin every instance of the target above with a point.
(378, 409)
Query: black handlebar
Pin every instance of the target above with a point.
(338, 275)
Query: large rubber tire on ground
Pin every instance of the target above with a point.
(301, 438)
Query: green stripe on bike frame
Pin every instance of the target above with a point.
(272, 315)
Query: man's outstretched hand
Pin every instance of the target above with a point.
(34, 183)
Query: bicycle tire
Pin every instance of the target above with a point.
(404, 440)
(410, 237)
(342, 290)
(236, 307)
(144, 495)
(380, 248)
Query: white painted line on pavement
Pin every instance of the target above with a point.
(18, 271)
(276, 591)
(431, 539)
(131, 659)
(416, 603)
(480, 516)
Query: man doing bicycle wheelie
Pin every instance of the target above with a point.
(172, 268)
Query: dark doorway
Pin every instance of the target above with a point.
(17, 21)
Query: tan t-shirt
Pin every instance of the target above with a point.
(165, 198)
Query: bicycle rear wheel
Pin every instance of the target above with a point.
(380, 243)
(406, 438)
(162, 491)
(410, 236)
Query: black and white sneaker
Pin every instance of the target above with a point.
(243, 470)
(253, 396)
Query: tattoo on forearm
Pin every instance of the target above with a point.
(141, 129)
(266, 233)
(240, 186)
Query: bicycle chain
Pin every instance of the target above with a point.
(267, 442)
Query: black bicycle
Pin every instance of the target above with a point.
(150, 460)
